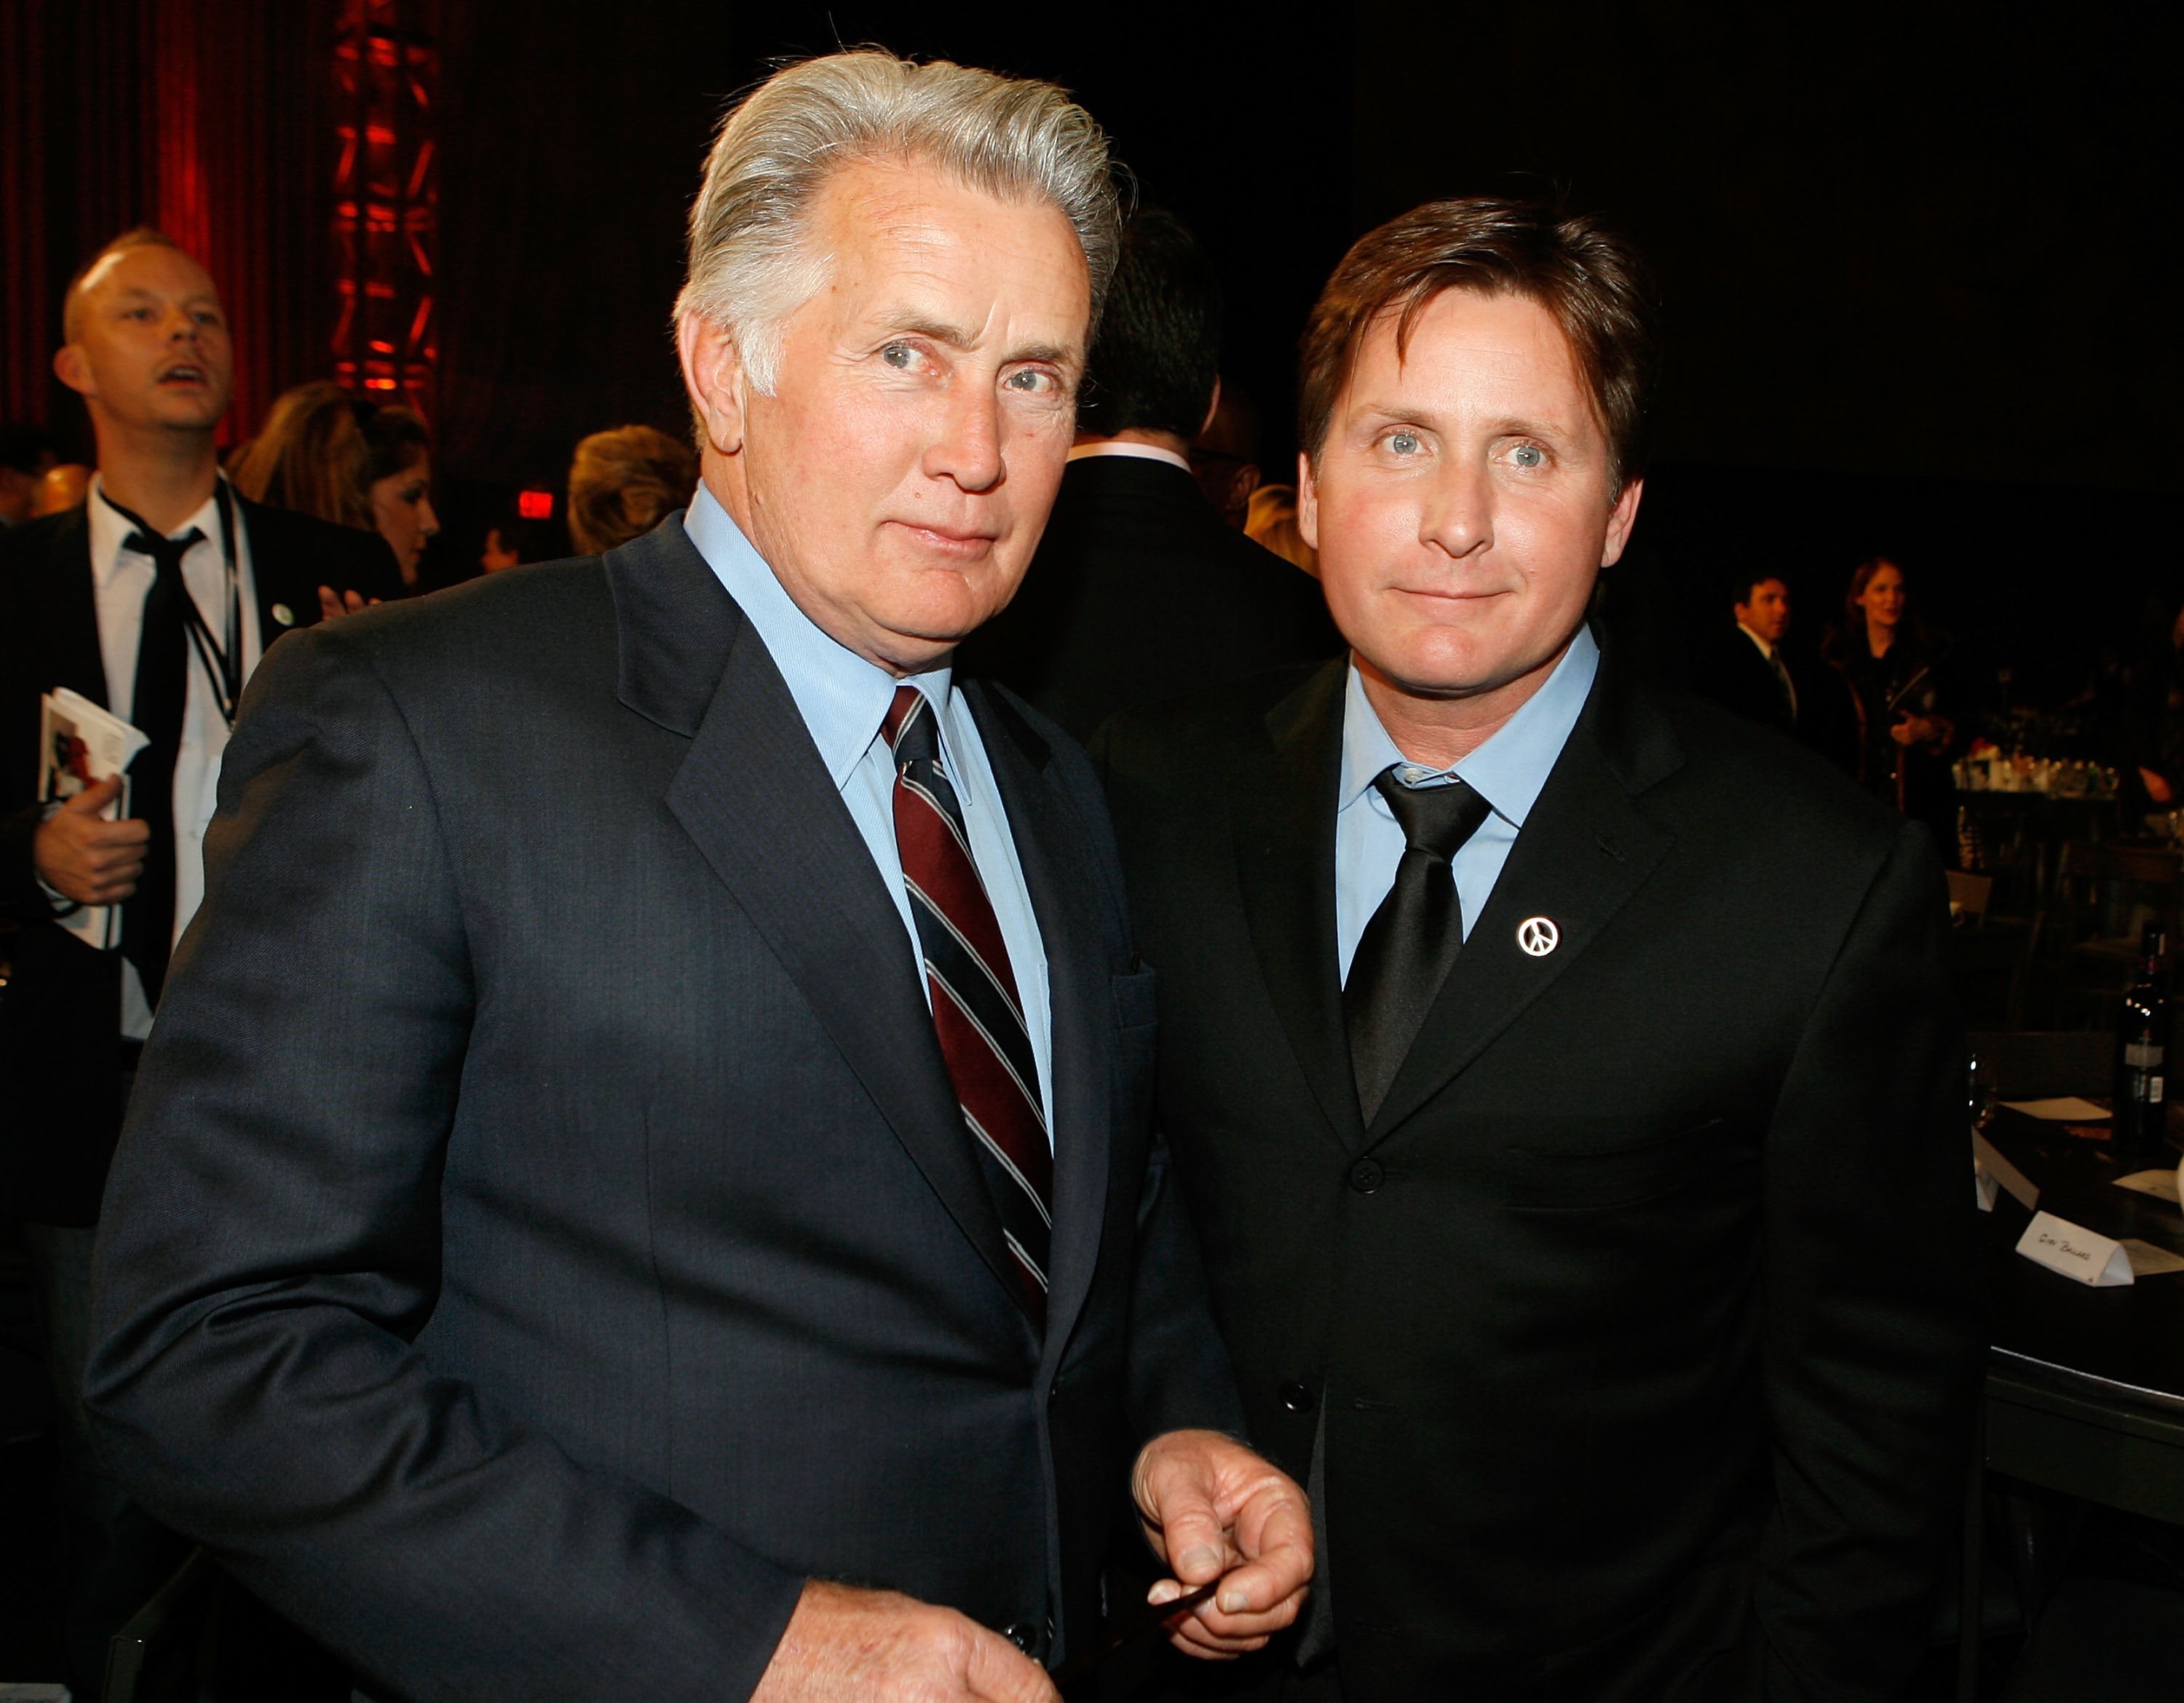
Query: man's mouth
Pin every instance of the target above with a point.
(186, 372)
(956, 541)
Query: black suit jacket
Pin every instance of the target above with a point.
(1643, 1316)
(546, 1233)
(61, 1010)
(1732, 673)
(1138, 592)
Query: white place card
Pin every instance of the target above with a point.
(2073, 1252)
(1991, 1172)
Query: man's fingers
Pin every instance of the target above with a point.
(93, 798)
(1177, 1502)
(998, 1671)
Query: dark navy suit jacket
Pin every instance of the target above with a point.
(546, 1235)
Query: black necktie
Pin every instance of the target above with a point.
(1782, 679)
(1407, 949)
(163, 686)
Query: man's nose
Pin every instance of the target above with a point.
(1458, 516)
(968, 449)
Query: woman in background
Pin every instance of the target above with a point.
(347, 460)
(625, 481)
(1890, 659)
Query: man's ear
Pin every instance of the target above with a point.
(1307, 501)
(72, 368)
(713, 373)
(1620, 519)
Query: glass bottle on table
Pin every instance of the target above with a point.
(2142, 1099)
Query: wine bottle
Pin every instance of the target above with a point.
(2142, 1100)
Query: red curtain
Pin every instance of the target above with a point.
(208, 117)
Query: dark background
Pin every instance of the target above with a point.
(1918, 264)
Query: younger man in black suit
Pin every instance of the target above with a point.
(1564, 1076)
(149, 350)
(1139, 591)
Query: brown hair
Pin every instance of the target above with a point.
(322, 450)
(143, 236)
(1588, 277)
(1860, 577)
(623, 483)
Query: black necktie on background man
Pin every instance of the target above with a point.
(1407, 949)
(162, 692)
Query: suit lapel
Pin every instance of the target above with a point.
(1282, 805)
(1585, 849)
(753, 795)
(1080, 1001)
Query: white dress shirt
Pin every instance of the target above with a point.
(1508, 771)
(120, 577)
(1122, 446)
(844, 698)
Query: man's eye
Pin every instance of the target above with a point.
(1403, 443)
(900, 356)
(1029, 379)
(1529, 456)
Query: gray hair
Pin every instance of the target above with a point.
(751, 266)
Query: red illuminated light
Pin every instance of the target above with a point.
(535, 505)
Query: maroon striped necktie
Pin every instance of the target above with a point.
(976, 1010)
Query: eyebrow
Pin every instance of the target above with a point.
(917, 323)
(1509, 426)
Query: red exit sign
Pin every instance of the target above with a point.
(535, 505)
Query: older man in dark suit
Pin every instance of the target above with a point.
(642, 1186)
(1564, 1076)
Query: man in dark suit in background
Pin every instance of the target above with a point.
(1564, 1076)
(1747, 670)
(1139, 591)
(642, 1186)
(87, 602)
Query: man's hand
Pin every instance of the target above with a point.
(1212, 1509)
(82, 858)
(348, 603)
(845, 1645)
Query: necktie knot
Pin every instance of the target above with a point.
(166, 552)
(1436, 820)
(909, 729)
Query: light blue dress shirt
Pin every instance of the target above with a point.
(1508, 771)
(844, 698)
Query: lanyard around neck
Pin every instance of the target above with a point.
(222, 662)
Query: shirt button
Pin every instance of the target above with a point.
(1366, 1175)
(1295, 1398)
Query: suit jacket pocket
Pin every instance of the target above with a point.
(1137, 998)
(1558, 1171)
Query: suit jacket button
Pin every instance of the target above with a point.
(1030, 1637)
(1365, 1175)
(1296, 1398)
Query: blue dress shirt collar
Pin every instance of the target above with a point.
(842, 696)
(1509, 770)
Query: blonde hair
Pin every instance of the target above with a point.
(623, 483)
(1271, 521)
(750, 263)
(322, 450)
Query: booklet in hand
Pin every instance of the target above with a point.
(81, 745)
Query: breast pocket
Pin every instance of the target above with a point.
(1585, 1168)
(1137, 998)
